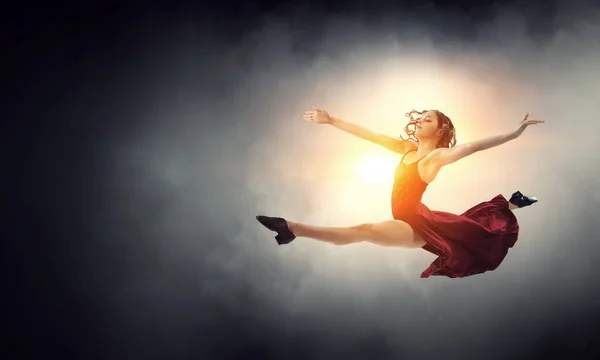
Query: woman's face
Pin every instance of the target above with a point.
(427, 125)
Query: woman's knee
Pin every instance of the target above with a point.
(363, 232)
(365, 228)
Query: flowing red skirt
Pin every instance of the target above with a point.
(471, 243)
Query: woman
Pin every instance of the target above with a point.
(471, 243)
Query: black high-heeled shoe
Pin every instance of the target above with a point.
(520, 200)
(278, 225)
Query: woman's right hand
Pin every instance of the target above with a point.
(317, 116)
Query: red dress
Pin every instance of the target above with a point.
(471, 243)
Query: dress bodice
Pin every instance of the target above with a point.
(408, 189)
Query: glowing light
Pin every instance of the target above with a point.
(376, 169)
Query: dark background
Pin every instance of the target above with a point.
(108, 254)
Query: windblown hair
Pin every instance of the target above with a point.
(448, 138)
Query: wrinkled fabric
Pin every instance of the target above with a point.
(471, 243)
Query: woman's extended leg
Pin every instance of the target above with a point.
(387, 233)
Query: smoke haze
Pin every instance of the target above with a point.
(175, 130)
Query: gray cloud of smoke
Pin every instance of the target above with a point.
(220, 139)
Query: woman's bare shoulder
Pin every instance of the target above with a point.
(409, 145)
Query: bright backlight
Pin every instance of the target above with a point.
(376, 169)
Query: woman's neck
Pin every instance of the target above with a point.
(426, 146)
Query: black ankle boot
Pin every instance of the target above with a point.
(278, 225)
(520, 200)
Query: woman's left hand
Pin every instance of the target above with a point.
(525, 123)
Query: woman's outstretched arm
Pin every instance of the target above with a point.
(388, 142)
(447, 156)
(321, 116)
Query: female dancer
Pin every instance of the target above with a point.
(471, 243)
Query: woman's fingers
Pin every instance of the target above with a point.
(314, 114)
(536, 121)
(526, 120)
(309, 116)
